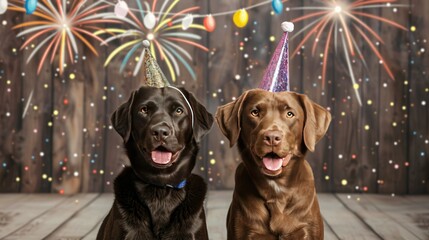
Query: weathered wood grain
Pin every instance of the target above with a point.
(356, 216)
(78, 151)
(344, 223)
(19, 214)
(83, 221)
(409, 212)
(418, 93)
(41, 226)
(374, 217)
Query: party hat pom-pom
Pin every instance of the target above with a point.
(288, 26)
(146, 43)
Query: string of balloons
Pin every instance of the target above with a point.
(240, 16)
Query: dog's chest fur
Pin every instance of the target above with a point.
(160, 211)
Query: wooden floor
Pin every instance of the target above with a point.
(346, 216)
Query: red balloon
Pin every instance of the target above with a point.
(209, 23)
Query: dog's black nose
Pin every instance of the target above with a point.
(273, 138)
(160, 132)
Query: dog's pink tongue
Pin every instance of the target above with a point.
(161, 157)
(272, 164)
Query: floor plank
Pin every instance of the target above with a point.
(15, 215)
(328, 232)
(343, 222)
(93, 233)
(10, 198)
(83, 222)
(365, 216)
(379, 221)
(47, 222)
(411, 212)
(217, 209)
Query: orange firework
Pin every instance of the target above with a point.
(340, 19)
(59, 27)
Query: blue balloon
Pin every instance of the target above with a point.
(30, 6)
(277, 6)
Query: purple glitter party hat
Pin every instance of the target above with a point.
(276, 76)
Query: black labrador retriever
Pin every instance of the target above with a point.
(158, 197)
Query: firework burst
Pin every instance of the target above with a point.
(342, 21)
(61, 27)
(165, 34)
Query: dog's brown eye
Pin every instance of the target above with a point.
(255, 112)
(179, 111)
(144, 110)
(290, 114)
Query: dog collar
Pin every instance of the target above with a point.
(187, 102)
(181, 185)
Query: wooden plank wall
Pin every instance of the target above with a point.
(65, 142)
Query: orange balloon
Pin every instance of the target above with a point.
(209, 23)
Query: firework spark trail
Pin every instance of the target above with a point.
(340, 17)
(166, 36)
(60, 27)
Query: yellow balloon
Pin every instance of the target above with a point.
(240, 18)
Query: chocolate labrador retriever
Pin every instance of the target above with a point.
(158, 197)
(274, 195)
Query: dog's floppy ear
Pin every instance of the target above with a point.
(317, 121)
(228, 118)
(121, 118)
(203, 120)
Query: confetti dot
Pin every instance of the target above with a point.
(56, 112)
(413, 28)
(369, 102)
(212, 161)
(327, 178)
(366, 127)
(272, 39)
(394, 124)
(76, 174)
(44, 176)
(344, 182)
(4, 22)
(356, 86)
(17, 179)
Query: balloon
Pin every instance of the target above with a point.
(277, 6)
(149, 20)
(3, 6)
(209, 23)
(187, 21)
(240, 18)
(121, 9)
(30, 6)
